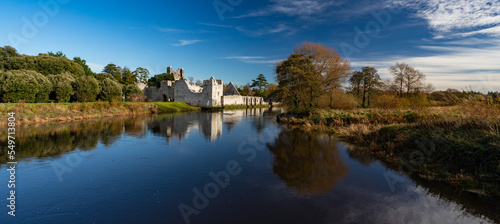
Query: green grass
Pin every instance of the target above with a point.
(171, 107)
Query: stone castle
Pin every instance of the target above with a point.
(210, 94)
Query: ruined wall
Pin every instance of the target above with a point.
(208, 97)
(242, 100)
(163, 94)
(231, 90)
(178, 75)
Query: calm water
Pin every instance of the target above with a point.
(232, 167)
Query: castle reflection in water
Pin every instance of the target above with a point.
(210, 124)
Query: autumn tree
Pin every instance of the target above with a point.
(309, 72)
(407, 79)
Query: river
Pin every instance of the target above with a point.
(236, 166)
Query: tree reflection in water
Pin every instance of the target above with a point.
(309, 164)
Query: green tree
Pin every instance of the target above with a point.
(110, 90)
(142, 74)
(62, 87)
(8, 51)
(18, 85)
(131, 89)
(156, 80)
(127, 76)
(260, 82)
(85, 67)
(57, 54)
(86, 89)
(113, 70)
(45, 87)
(356, 81)
(371, 80)
(298, 82)
(43, 63)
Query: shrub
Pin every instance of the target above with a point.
(62, 87)
(102, 76)
(42, 63)
(386, 102)
(338, 100)
(86, 89)
(131, 89)
(18, 86)
(45, 87)
(110, 90)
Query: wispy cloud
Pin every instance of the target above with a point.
(254, 59)
(216, 25)
(451, 18)
(168, 30)
(451, 65)
(279, 28)
(293, 8)
(186, 42)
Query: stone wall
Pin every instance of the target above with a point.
(242, 100)
(209, 96)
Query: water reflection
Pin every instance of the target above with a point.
(310, 164)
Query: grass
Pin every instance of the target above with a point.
(458, 145)
(172, 107)
(29, 113)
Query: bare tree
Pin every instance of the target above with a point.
(408, 79)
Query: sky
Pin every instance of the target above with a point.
(455, 43)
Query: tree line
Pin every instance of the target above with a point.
(314, 74)
(52, 77)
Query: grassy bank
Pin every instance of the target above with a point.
(457, 145)
(29, 113)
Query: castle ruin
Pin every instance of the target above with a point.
(210, 94)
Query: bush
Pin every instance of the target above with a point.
(131, 89)
(110, 90)
(43, 63)
(18, 86)
(338, 100)
(86, 89)
(102, 76)
(45, 87)
(62, 87)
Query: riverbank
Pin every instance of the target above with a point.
(456, 145)
(31, 113)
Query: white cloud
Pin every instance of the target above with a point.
(254, 59)
(186, 42)
(451, 65)
(216, 25)
(458, 17)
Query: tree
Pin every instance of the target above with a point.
(86, 89)
(332, 67)
(110, 90)
(113, 70)
(247, 90)
(85, 67)
(8, 51)
(131, 89)
(62, 87)
(18, 85)
(260, 82)
(157, 79)
(127, 76)
(199, 82)
(191, 80)
(298, 82)
(370, 81)
(142, 74)
(407, 79)
(356, 81)
(57, 54)
(43, 63)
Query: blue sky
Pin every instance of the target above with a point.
(455, 43)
